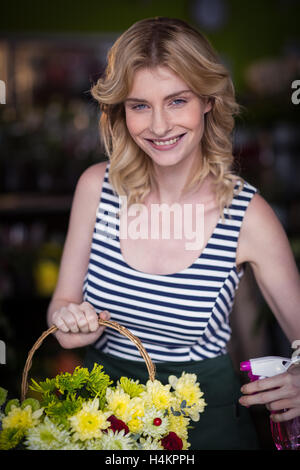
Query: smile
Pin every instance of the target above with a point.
(167, 142)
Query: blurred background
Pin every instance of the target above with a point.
(51, 52)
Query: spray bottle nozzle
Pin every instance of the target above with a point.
(245, 365)
(265, 366)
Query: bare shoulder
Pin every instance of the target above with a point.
(87, 193)
(261, 231)
(92, 178)
(259, 211)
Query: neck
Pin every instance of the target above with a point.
(170, 182)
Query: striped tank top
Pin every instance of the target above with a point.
(178, 317)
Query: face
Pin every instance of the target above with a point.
(164, 117)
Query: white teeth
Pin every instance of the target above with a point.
(166, 142)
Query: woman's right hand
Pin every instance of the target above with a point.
(78, 325)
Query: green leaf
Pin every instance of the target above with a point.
(135, 437)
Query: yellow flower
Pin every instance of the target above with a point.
(136, 410)
(118, 402)
(21, 418)
(89, 422)
(187, 389)
(185, 444)
(179, 424)
(158, 395)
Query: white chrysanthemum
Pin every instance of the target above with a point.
(73, 446)
(93, 444)
(117, 441)
(150, 444)
(46, 436)
(150, 428)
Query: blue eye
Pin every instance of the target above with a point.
(138, 107)
(178, 101)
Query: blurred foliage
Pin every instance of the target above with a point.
(253, 30)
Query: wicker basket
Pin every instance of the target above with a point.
(124, 331)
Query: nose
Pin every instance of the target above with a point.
(160, 124)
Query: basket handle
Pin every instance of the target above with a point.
(112, 324)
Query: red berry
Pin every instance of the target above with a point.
(157, 421)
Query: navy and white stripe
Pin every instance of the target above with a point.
(178, 317)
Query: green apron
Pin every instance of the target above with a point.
(224, 424)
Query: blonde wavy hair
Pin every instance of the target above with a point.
(173, 43)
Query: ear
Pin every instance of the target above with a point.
(208, 105)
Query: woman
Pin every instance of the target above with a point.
(168, 111)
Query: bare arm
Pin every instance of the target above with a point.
(264, 244)
(76, 320)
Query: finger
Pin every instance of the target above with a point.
(65, 320)
(263, 398)
(286, 415)
(91, 316)
(104, 315)
(80, 325)
(58, 320)
(290, 401)
(264, 384)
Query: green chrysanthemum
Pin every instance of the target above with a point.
(35, 404)
(132, 387)
(10, 438)
(13, 402)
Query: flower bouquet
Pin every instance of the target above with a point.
(86, 411)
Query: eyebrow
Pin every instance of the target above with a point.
(172, 95)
